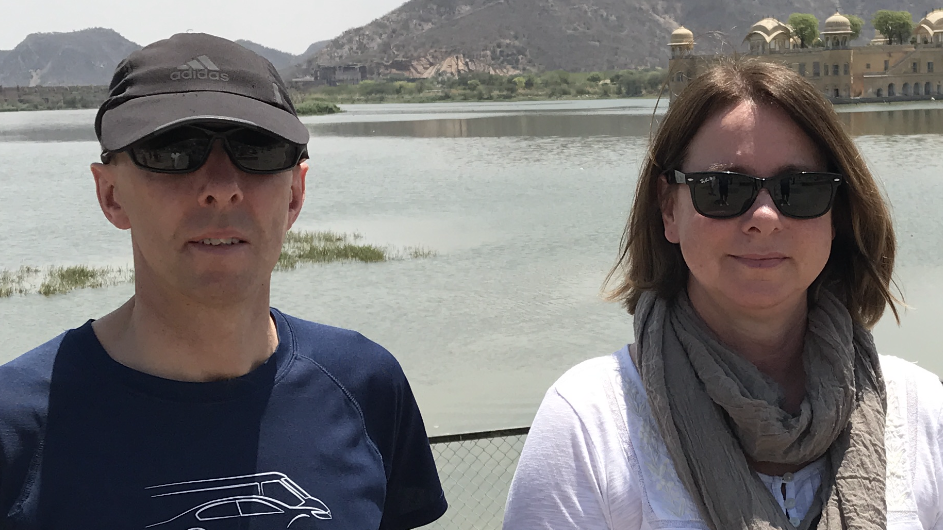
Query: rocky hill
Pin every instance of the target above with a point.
(86, 57)
(423, 37)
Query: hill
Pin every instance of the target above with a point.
(279, 59)
(86, 57)
(423, 37)
(315, 47)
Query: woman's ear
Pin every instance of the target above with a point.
(666, 202)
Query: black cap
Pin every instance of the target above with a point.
(194, 77)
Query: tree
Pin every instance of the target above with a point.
(856, 24)
(806, 28)
(896, 26)
(594, 77)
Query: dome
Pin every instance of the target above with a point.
(769, 29)
(934, 19)
(837, 22)
(682, 35)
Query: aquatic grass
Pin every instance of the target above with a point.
(61, 280)
(326, 247)
(16, 282)
(298, 248)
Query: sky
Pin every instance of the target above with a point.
(266, 22)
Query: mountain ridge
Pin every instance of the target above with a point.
(576, 35)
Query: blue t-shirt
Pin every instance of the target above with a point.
(325, 434)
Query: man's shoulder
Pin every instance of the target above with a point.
(346, 355)
(32, 369)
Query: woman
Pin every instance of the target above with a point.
(758, 254)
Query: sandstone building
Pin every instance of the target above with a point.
(841, 71)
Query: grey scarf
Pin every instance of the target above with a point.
(714, 409)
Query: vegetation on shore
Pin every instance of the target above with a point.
(18, 98)
(299, 248)
(557, 84)
(316, 108)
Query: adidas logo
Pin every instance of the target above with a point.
(199, 68)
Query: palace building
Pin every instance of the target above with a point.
(841, 71)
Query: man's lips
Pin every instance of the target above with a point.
(760, 261)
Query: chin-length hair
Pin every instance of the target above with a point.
(861, 263)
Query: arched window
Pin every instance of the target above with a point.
(926, 89)
(890, 90)
(879, 93)
(905, 90)
(916, 89)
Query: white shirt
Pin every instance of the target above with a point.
(594, 458)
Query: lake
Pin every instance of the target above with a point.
(523, 203)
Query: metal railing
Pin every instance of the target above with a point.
(476, 471)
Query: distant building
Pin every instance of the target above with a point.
(350, 74)
(838, 70)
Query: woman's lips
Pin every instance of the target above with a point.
(755, 261)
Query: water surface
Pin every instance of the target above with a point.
(524, 203)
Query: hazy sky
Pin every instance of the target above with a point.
(266, 22)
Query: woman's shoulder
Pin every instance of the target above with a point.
(914, 393)
(900, 370)
(589, 374)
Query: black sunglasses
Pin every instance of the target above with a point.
(186, 148)
(724, 194)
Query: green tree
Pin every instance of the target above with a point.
(856, 24)
(806, 28)
(520, 82)
(896, 26)
(594, 77)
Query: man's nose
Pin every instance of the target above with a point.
(221, 184)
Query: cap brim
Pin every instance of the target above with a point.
(139, 117)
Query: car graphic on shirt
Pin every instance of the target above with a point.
(216, 503)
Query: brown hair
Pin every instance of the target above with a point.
(860, 265)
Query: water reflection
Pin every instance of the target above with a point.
(894, 122)
(529, 125)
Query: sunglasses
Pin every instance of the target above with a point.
(724, 194)
(185, 149)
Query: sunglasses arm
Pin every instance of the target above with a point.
(674, 176)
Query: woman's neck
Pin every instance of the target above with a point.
(771, 340)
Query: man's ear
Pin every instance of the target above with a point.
(298, 176)
(666, 202)
(105, 182)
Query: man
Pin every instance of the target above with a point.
(195, 405)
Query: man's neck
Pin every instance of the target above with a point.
(189, 341)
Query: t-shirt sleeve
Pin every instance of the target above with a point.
(559, 483)
(414, 494)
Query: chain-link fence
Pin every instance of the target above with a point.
(476, 471)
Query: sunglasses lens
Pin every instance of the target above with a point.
(803, 195)
(179, 150)
(720, 195)
(262, 153)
